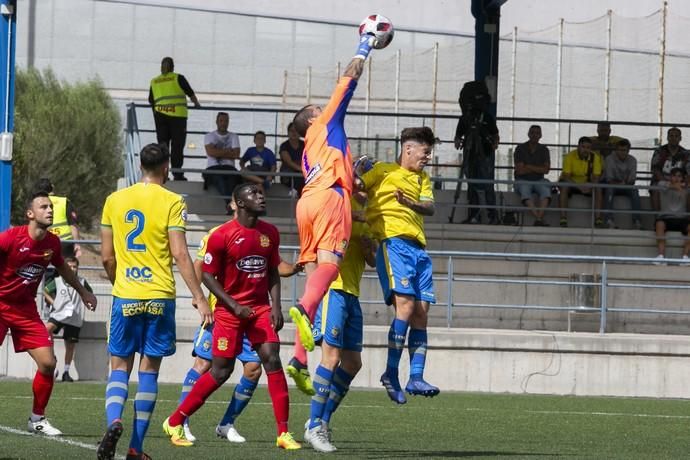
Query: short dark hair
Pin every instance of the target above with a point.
(422, 134)
(153, 156)
(168, 60)
(584, 140)
(240, 189)
(43, 184)
(260, 133)
(301, 119)
(604, 123)
(289, 126)
(674, 128)
(220, 114)
(623, 143)
(34, 195)
(678, 170)
(72, 259)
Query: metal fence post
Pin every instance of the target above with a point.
(449, 312)
(602, 293)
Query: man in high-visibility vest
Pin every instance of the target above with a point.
(168, 97)
(64, 219)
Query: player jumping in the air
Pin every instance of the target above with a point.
(241, 269)
(400, 195)
(25, 252)
(323, 212)
(142, 231)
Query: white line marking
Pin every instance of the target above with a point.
(59, 439)
(609, 414)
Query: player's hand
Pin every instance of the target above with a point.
(204, 310)
(297, 268)
(242, 312)
(359, 216)
(89, 300)
(402, 199)
(458, 143)
(367, 243)
(276, 318)
(362, 165)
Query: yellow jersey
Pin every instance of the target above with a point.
(352, 266)
(140, 217)
(385, 215)
(577, 168)
(200, 253)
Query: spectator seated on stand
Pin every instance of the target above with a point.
(621, 169)
(291, 161)
(673, 215)
(532, 161)
(258, 159)
(604, 143)
(222, 151)
(666, 158)
(581, 168)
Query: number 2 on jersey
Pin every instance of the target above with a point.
(136, 217)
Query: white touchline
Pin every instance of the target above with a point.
(611, 414)
(59, 439)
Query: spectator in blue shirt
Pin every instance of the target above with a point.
(258, 159)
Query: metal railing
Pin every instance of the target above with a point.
(453, 303)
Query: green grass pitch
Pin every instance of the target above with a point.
(368, 425)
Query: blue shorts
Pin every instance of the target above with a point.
(146, 327)
(541, 188)
(405, 268)
(344, 325)
(203, 347)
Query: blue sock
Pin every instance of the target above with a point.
(189, 381)
(396, 343)
(115, 395)
(240, 398)
(339, 387)
(416, 344)
(144, 403)
(322, 386)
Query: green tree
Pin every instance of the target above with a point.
(70, 133)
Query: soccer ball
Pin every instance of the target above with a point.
(380, 27)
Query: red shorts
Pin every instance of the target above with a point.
(324, 221)
(228, 331)
(28, 331)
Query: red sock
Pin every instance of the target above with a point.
(317, 285)
(300, 354)
(202, 389)
(277, 388)
(43, 387)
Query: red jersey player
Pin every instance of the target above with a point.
(25, 252)
(241, 269)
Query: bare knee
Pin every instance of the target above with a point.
(252, 371)
(201, 366)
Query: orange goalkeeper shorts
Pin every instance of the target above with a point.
(324, 221)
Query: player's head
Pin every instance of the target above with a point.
(39, 209)
(72, 263)
(260, 139)
(167, 65)
(222, 121)
(417, 148)
(154, 160)
(249, 199)
(43, 185)
(304, 118)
